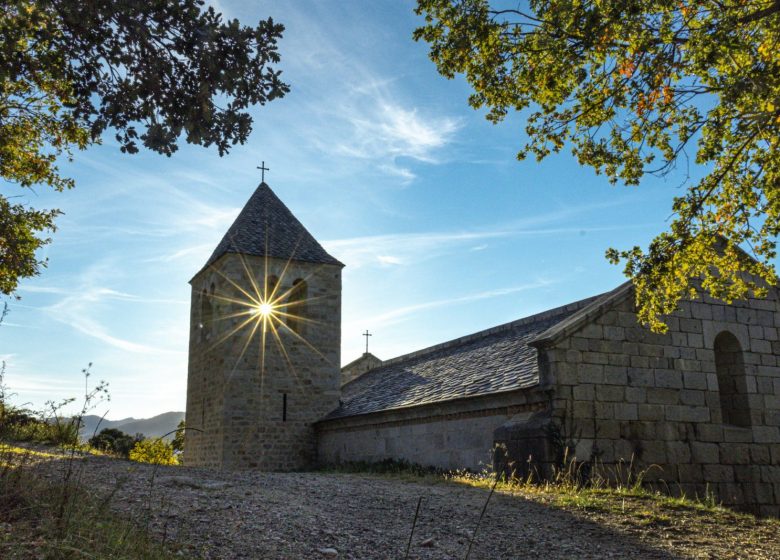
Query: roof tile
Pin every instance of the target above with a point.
(495, 360)
(266, 228)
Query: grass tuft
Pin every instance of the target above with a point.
(58, 519)
(618, 489)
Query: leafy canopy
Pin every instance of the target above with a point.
(112, 440)
(630, 85)
(151, 71)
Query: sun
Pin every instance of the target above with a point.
(261, 307)
(264, 309)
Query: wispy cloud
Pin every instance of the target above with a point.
(408, 248)
(81, 302)
(406, 175)
(195, 214)
(92, 328)
(200, 252)
(400, 248)
(41, 289)
(358, 113)
(404, 312)
(95, 295)
(383, 130)
(41, 385)
(389, 260)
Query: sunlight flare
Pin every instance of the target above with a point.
(265, 309)
(263, 306)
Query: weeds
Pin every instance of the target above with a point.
(31, 507)
(496, 478)
(48, 426)
(414, 524)
(388, 466)
(57, 517)
(606, 488)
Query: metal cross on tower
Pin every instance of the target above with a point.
(263, 169)
(367, 334)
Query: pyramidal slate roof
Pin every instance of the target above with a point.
(266, 228)
(491, 361)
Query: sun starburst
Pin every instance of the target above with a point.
(261, 309)
(265, 309)
(261, 305)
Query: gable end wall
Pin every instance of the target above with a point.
(621, 391)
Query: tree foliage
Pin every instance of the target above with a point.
(151, 71)
(112, 440)
(155, 451)
(631, 85)
(18, 241)
(178, 438)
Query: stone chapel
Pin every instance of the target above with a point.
(701, 403)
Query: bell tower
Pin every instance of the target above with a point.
(265, 335)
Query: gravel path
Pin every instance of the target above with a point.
(321, 515)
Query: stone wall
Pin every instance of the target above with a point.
(254, 396)
(358, 367)
(449, 435)
(621, 391)
(205, 396)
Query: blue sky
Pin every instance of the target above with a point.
(443, 232)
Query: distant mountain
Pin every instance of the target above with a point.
(156, 426)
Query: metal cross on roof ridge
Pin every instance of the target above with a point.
(263, 169)
(367, 334)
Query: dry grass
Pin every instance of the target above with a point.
(688, 527)
(59, 519)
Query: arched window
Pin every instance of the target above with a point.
(206, 311)
(269, 291)
(296, 305)
(732, 384)
(203, 299)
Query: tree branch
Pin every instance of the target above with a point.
(760, 14)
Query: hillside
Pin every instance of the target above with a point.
(210, 514)
(155, 426)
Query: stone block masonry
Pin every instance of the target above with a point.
(254, 397)
(449, 435)
(358, 367)
(702, 402)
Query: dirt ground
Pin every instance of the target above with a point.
(212, 514)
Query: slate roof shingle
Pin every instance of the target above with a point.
(266, 227)
(491, 361)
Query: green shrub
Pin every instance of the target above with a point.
(13, 420)
(178, 439)
(154, 451)
(22, 425)
(62, 431)
(111, 440)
